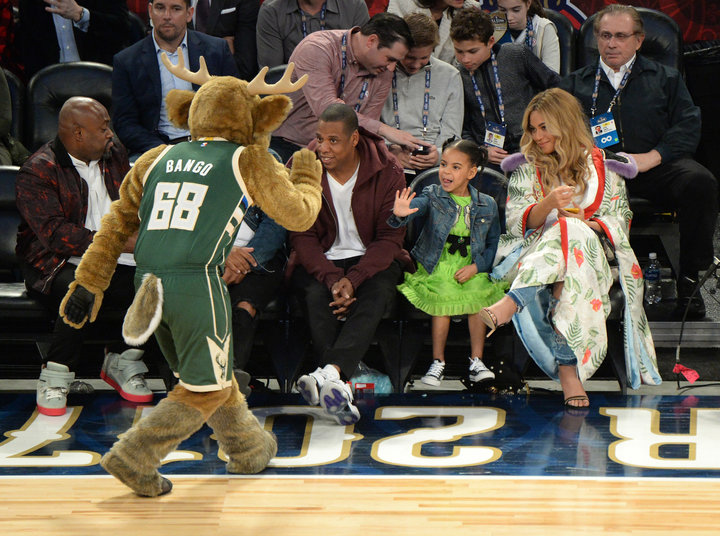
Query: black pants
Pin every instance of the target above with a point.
(692, 190)
(66, 344)
(284, 147)
(258, 288)
(344, 343)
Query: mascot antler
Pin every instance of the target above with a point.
(183, 73)
(257, 86)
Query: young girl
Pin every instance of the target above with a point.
(528, 25)
(455, 249)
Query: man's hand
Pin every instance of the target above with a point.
(647, 161)
(495, 154)
(425, 161)
(343, 296)
(79, 305)
(68, 9)
(402, 155)
(238, 264)
(400, 137)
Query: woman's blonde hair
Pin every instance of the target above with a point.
(565, 120)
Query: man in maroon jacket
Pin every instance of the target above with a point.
(62, 191)
(350, 258)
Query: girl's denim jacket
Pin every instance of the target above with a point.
(441, 214)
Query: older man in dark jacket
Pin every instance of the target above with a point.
(659, 125)
(350, 258)
(62, 192)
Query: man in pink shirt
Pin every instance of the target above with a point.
(352, 67)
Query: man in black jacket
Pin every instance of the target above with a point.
(647, 111)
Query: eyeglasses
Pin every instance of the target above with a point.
(621, 37)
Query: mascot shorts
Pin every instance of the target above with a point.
(195, 332)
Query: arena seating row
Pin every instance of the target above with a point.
(35, 108)
(282, 342)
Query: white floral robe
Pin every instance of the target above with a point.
(566, 249)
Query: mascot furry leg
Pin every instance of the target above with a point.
(249, 447)
(135, 458)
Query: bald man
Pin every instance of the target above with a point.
(62, 192)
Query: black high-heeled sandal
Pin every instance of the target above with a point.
(490, 320)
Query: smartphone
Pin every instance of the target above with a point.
(425, 149)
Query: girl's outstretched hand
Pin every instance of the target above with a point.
(402, 203)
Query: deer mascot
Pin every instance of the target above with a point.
(186, 203)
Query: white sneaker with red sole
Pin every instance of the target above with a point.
(52, 389)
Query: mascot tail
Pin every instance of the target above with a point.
(145, 313)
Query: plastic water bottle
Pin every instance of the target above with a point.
(653, 292)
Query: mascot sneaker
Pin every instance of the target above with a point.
(124, 372)
(310, 385)
(336, 399)
(52, 388)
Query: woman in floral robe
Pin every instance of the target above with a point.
(566, 204)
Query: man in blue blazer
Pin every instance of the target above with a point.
(140, 81)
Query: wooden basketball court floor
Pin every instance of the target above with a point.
(418, 463)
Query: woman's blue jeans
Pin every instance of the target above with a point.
(540, 303)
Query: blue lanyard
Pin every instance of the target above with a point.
(530, 34)
(596, 88)
(498, 90)
(426, 100)
(303, 18)
(363, 89)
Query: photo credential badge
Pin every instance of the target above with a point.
(604, 131)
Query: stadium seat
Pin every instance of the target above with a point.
(22, 319)
(566, 35)
(17, 101)
(48, 90)
(663, 40)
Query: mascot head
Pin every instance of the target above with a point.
(227, 107)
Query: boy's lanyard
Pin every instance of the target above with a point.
(596, 88)
(303, 18)
(426, 100)
(363, 89)
(530, 34)
(498, 90)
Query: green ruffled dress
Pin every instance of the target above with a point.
(438, 293)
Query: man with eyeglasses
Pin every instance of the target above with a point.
(644, 108)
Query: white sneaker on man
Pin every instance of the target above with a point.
(336, 399)
(309, 385)
(52, 388)
(479, 372)
(124, 372)
(435, 373)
